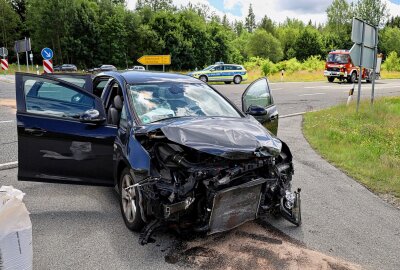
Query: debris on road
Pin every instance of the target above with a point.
(252, 246)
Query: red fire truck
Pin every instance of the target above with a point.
(339, 65)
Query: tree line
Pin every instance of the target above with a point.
(92, 32)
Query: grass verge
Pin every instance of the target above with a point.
(365, 145)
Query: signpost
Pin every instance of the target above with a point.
(23, 45)
(4, 61)
(155, 60)
(364, 51)
(4, 64)
(47, 55)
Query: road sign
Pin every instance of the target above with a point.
(48, 66)
(370, 33)
(4, 64)
(23, 45)
(364, 52)
(47, 53)
(155, 60)
(3, 51)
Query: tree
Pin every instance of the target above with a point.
(267, 24)
(250, 22)
(10, 22)
(374, 12)
(390, 40)
(394, 22)
(238, 27)
(155, 5)
(265, 45)
(339, 17)
(308, 44)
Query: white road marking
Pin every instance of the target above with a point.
(6, 121)
(9, 165)
(313, 94)
(313, 87)
(277, 89)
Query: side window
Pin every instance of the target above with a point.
(257, 94)
(55, 99)
(229, 68)
(123, 121)
(218, 67)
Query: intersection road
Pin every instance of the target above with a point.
(73, 225)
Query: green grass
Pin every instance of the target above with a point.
(365, 145)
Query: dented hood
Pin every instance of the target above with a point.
(234, 138)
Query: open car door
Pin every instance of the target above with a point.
(258, 102)
(62, 133)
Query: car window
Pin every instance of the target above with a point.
(153, 102)
(229, 68)
(218, 68)
(55, 99)
(257, 94)
(123, 121)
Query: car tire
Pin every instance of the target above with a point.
(353, 77)
(203, 78)
(237, 79)
(331, 79)
(129, 202)
(227, 82)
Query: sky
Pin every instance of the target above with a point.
(277, 10)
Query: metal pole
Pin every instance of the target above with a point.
(19, 68)
(374, 71)
(26, 53)
(163, 68)
(360, 73)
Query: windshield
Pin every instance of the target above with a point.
(209, 67)
(338, 58)
(154, 102)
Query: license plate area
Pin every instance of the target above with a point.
(235, 205)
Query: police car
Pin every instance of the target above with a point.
(220, 72)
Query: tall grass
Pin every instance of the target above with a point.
(365, 145)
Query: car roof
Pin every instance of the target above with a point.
(136, 77)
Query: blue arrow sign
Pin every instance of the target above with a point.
(47, 53)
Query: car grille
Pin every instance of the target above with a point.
(235, 205)
(333, 69)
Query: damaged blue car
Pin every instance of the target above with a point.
(179, 153)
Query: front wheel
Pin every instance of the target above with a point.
(237, 79)
(353, 77)
(203, 79)
(331, 79)
(129, 202)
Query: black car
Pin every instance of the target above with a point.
(66, 67)
(178, 152)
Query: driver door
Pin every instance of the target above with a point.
(55, 143)
(257, 101)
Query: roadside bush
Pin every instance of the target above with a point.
(254, 62)
(289, 66)
(314, 63)
(392, 62)
(269, 67)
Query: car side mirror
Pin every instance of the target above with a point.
(212, 69)
(91, 116)
(256, 110)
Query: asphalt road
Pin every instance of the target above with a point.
(80, 227)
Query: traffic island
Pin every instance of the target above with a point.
(366, 145)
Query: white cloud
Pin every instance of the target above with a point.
(277, 10)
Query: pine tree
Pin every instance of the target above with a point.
(250, 23)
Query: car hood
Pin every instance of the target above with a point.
(232, 138)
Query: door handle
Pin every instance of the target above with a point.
(273, 117)
(35, 131)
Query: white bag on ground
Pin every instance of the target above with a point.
(15, 231)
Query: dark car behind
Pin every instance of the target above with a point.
(66, 67)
